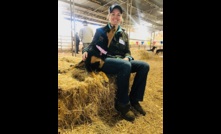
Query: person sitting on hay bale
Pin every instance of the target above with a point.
(109, 52)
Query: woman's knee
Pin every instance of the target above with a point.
(145, 66)
(126, 66)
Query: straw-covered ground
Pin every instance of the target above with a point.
(86, 102)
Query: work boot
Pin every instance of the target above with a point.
(125, 111)
(138, 107)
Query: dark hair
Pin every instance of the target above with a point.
(111, 8)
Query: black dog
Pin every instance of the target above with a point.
(159, 51)
(94, 60)
(152, 49)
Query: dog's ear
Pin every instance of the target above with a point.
(95, 62)
(80, 65)
(95, 59)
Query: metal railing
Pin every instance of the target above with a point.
(64, 42)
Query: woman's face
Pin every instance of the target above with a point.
(115, 17)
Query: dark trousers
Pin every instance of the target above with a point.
(77, 46)
(122, 69)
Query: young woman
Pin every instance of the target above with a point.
(113, 44)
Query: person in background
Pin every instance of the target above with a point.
(112, 42)
(86, 35)
(77, 39)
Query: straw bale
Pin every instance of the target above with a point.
(83, 95)
(86, 101)
(140, 54)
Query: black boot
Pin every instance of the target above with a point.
(125, 111)
(138, 107)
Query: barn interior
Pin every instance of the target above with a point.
(85, 101)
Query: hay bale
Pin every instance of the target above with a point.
(83, 96)
(140, 54)
(89, 99)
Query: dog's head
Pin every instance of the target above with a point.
(91, 64)
(154, 47)
(94, 61)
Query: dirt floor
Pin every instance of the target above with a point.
(151, 123)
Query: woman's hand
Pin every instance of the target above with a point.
(84, 56)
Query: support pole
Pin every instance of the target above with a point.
(130, 17)
(72, 18)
